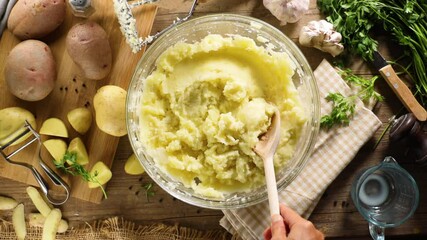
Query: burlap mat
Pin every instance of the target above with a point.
(119, 229)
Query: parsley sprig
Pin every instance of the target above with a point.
(344, 107)
(69, 165)
(149, 191)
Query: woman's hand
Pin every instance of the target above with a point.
(290, 225)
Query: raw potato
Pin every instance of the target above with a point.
(18, 221)
(88, 46)
(7, 203)
(37, 220)
(57, 148)
(77, 146)
(30, 70)
(80, 119)
(110, 110)
(38, 201)
(13, 119)
(36, 18)
(54, 127)
(51, 224)
(133, 166)
(102, 173)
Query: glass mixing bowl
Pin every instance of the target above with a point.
(225, 24)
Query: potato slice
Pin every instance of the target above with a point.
(37, 220)
(7, 203)
(110, 110)
(11, 120)
(101, 173)
(54, 127)
(18, 221)
(38, 201)
(133, 166)
(51, 224)
(77, 146)
(57, 148)
(80, 119)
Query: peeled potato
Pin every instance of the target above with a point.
(18, 221)
(54, 127)
(7, 203)
(11, 121)
(133, 166)
(110, 110)
(80, 119)
(77, 146)
(102, 174)
(57, 148)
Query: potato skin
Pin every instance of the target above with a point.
(30, 70)
(36, 18)
(87, 44)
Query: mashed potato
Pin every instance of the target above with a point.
(206, 104)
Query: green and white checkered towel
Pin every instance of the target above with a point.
(333, 151)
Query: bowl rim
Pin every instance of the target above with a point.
(313, 128)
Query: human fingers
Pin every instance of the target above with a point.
(267, 233)
(290, 217)
(278, 230)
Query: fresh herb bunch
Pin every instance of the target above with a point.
(344, 107)
(406, 20)
(69, 165)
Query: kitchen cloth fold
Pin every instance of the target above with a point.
(334, 149)
(5, 8)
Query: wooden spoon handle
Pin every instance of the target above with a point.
(403, 93)
(270, 178)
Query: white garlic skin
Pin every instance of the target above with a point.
(287, 11)
(321, 35)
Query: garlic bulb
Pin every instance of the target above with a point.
(287, 11)
(321, 35)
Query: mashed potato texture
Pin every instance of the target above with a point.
(206, 104)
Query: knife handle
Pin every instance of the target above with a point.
(403, 93)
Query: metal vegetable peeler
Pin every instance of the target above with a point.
(57, 180)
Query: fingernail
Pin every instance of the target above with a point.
(276, 218)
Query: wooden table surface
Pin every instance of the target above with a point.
(335, 215)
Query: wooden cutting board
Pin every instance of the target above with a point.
(72, 90)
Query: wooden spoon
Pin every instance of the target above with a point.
(266, 148)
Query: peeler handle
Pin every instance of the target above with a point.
(57, 180)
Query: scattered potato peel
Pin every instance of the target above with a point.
(38, 201)
(18, 221)
(51, 224)
(7, 203)
(37, 220)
